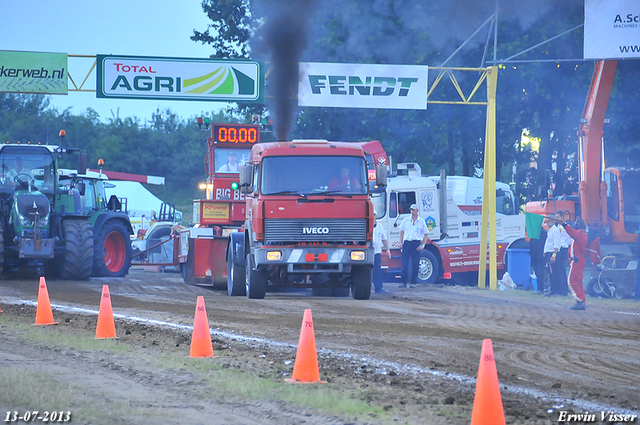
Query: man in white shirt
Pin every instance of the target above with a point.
(414, 235)
(551, 249)
(231, 166)
(379, 242)
(562, 257)
(19, 169)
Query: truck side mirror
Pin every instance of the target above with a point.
(82, 163)
(246, 178)
(381, 175)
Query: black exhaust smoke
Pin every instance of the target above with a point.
(286, 39)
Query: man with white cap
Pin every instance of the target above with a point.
(379, 242)
(414, 235)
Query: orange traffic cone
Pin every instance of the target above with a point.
(201, 345)
(44, 314)
(305, 369)
(487, 403)
(106, 327)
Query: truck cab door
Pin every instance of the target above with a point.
(399, 209)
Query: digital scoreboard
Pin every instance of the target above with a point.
(242, 134)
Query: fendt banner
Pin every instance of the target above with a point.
(611, 29)
(140, 77)
(345, 85)
(33, 72)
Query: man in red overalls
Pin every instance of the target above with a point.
(576, 254)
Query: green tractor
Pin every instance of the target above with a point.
(58, 221)
(41, 223)
(112, 228)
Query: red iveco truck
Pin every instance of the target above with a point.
(309, 219)
(304, 222)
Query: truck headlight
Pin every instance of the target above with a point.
(358, 255)
(44, 221)
(274, 255)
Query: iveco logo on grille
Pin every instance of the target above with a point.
(315, 230)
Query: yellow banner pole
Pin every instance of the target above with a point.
(488, 217)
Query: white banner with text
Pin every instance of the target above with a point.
(346, 85)
(611, 29)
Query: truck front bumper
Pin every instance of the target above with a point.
(314, 260)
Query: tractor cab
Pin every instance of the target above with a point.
(27, 168)
(26, 190)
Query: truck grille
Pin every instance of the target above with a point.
(339, 231)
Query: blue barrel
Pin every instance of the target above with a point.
(519, 266)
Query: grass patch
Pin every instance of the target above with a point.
(19, 383)
(79, 341)
(30, 390)
(232, 382)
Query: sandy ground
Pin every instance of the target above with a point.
(414, 351)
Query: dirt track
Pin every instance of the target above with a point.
(415, 350)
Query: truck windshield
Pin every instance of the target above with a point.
(309, 175)
(26, 167)
(228, 160)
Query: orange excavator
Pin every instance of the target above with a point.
(609, 197)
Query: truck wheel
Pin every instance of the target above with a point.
(112, 250)
(186, 268)
(78, 249)
(428, 267)
(235, 274)
(256, 280)
(361, 277)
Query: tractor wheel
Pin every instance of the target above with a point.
(78, 246)
(256, 280)
(361, 277)
(112, 250)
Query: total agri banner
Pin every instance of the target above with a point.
(33, 72)
(142, 77)
(348, 85)
(611, 29)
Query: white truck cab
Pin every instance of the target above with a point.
(453, 228)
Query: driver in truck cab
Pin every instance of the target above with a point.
(344, 181)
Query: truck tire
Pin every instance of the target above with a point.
(112, 250)
(78, 250)
(187, 268)
(236, 286)
(428, 267)
(361, 277)
(256, 279)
